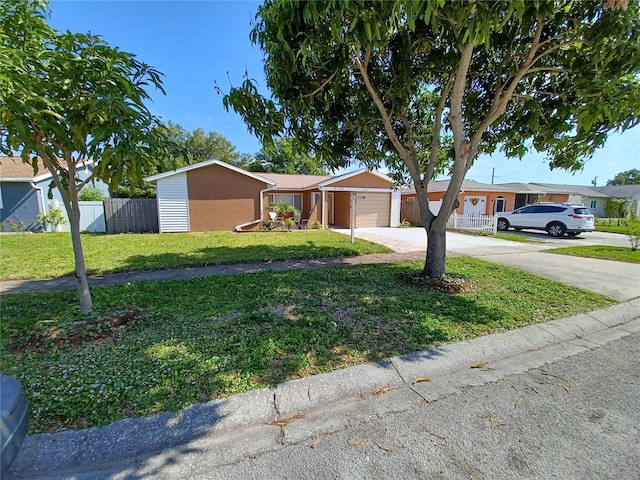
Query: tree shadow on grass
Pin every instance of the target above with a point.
(266, 328)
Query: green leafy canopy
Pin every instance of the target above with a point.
(423, 87)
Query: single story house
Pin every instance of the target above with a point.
(622, 191)
(477, 198)
(214, 195)
(583, 195)
(24, 195)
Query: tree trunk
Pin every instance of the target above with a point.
(434, 265)
(78, 255)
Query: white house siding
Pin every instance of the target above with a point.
(173, 204)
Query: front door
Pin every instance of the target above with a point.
(499, 205)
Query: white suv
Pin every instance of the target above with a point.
(555, 218)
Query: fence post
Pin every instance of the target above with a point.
(495, 223)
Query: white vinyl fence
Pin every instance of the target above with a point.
(482, 223)
(92, 217)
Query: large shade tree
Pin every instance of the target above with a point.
(283, 156)
(383, 82)
(628, 177)
(68, 98)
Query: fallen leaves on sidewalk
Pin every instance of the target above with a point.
(381, 447)
(285, 421)
(420, 380)
(319, 440)
(482, 366)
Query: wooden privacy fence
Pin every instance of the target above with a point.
(131, 215)
(410, 211)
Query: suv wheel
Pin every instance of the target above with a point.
(556, 229)
(503, 224)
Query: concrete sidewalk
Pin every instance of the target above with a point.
(194, 442)
(193, 272)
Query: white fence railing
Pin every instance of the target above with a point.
(482, 223)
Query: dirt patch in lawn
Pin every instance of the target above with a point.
(450, 284)
(73, 334)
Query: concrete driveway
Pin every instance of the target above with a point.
(614, 279)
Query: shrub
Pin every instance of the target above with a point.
(316, 225)
(289, 223)
(53, 217)
(18, 226)
(90, 194)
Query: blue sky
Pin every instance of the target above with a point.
(195, 44)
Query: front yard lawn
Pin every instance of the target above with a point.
(157, 346)
(606, 252)
(50, 255)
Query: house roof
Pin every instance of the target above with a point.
(295, 182)
(619, 191)
(207, 163)
(344, 176)
(279, 181)
(467, 185)
(534, 188)
(581, 190)
(14, 169)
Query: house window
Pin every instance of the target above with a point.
(315, 198)
(294, 199)
(594, 203)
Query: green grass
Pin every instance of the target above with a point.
(514, 237)
(606, 252)
(622, 229)
(614, 225)
(212, 337)
(50, 255)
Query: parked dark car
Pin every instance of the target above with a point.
(14, 419)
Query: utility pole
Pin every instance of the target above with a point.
(593, 182)
(493, 172)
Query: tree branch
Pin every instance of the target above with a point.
(437, 126)
(386, 119)
(321, 87)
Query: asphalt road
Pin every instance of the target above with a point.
(578, 417)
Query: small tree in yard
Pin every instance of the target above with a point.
(67, 97)
(385, 82)
(634, 234)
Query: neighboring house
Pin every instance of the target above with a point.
(622, 191)
(213, 195)
(477, 198)
(587, 196)
(23, 195)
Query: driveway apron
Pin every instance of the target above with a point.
(619, 280)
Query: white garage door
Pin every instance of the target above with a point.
(373, 210)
